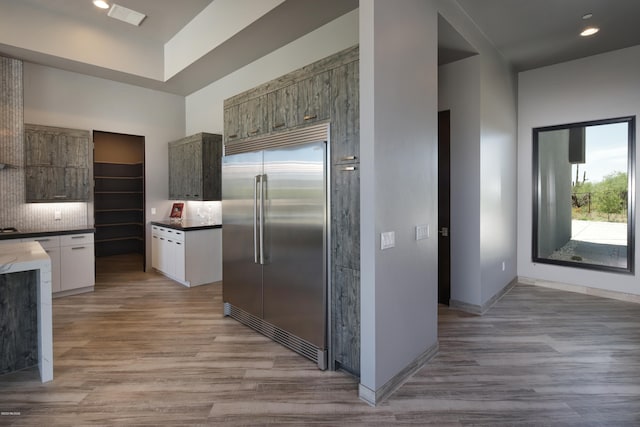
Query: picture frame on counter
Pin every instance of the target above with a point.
(176, 211)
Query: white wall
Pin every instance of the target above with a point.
(398, 148)
(597, 87)
(204, 107)
(60, 98)
(481, 93)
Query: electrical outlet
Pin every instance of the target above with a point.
(153, 211)
(57, 215)
(387, 240)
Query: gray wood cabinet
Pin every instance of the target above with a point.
(57, 164)
(246, 119)
(301, 103)
(326, 90)
(195, 167)
(345, 113)
(345, 319)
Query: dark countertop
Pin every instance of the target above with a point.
(21, 234)
(186, 225)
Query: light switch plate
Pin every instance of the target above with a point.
(387, 240)
(422, 232)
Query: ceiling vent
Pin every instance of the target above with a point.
(126, 15)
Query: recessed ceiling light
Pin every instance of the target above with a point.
(101, 4)
(587, 16)
(589, 31)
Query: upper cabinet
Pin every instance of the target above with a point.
(246, 119)
(57, 164)
(300, 103)
(195, 167)
(345, 114)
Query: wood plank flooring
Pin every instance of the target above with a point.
(143, 350)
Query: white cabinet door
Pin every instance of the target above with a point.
(178, 253)
(77, 261)
(155, 252)
(77, 266)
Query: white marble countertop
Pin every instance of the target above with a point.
(26, 256)
(22, 256)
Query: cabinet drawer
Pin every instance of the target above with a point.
(168, 233)
(76, 239)
(48, 242)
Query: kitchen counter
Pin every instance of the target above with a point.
(186, 225)
(21, 234)
(29, 256)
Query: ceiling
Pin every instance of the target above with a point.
(529, 34)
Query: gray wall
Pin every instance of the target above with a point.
(481, 93)
(459, 92)
(398, 124)
(554, 189)
(597, 87)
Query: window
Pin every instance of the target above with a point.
(583, 198)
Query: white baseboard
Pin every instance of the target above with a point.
(603, 293)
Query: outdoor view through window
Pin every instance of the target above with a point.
(582, 203)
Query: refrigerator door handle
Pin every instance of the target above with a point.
(262, 180)
(256, 180)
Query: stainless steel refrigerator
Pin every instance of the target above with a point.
(274, 211)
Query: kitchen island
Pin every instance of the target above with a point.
(26, 264)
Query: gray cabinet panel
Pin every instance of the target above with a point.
(232, 123)
(345, 215)
(57, 164)
(345, 114)
(283, 109)
(194, 167)
(313, 98)
(346, 319)
(253, 117)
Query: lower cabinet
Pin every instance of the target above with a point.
(191, 258)
(77, 262)
(72, 262)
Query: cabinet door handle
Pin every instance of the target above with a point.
(253, 132)
(235, 135)
(348, 168)
(78, 247)
(42, 240)
(278, 125)
(77, 237)
(60, 196)
(310, 117)
(345, 158)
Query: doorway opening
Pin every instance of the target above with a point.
(444, 207)
(119, 195)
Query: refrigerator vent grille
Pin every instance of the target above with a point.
(280, 139)
(280, 336)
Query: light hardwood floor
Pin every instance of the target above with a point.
(144, 350)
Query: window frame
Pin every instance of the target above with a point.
(631, 208)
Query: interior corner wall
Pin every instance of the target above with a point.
(459, 92)
(498, 175)
(54, 97)
(496, 203)
(204, 108)
(592, 88)
(398, 148)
